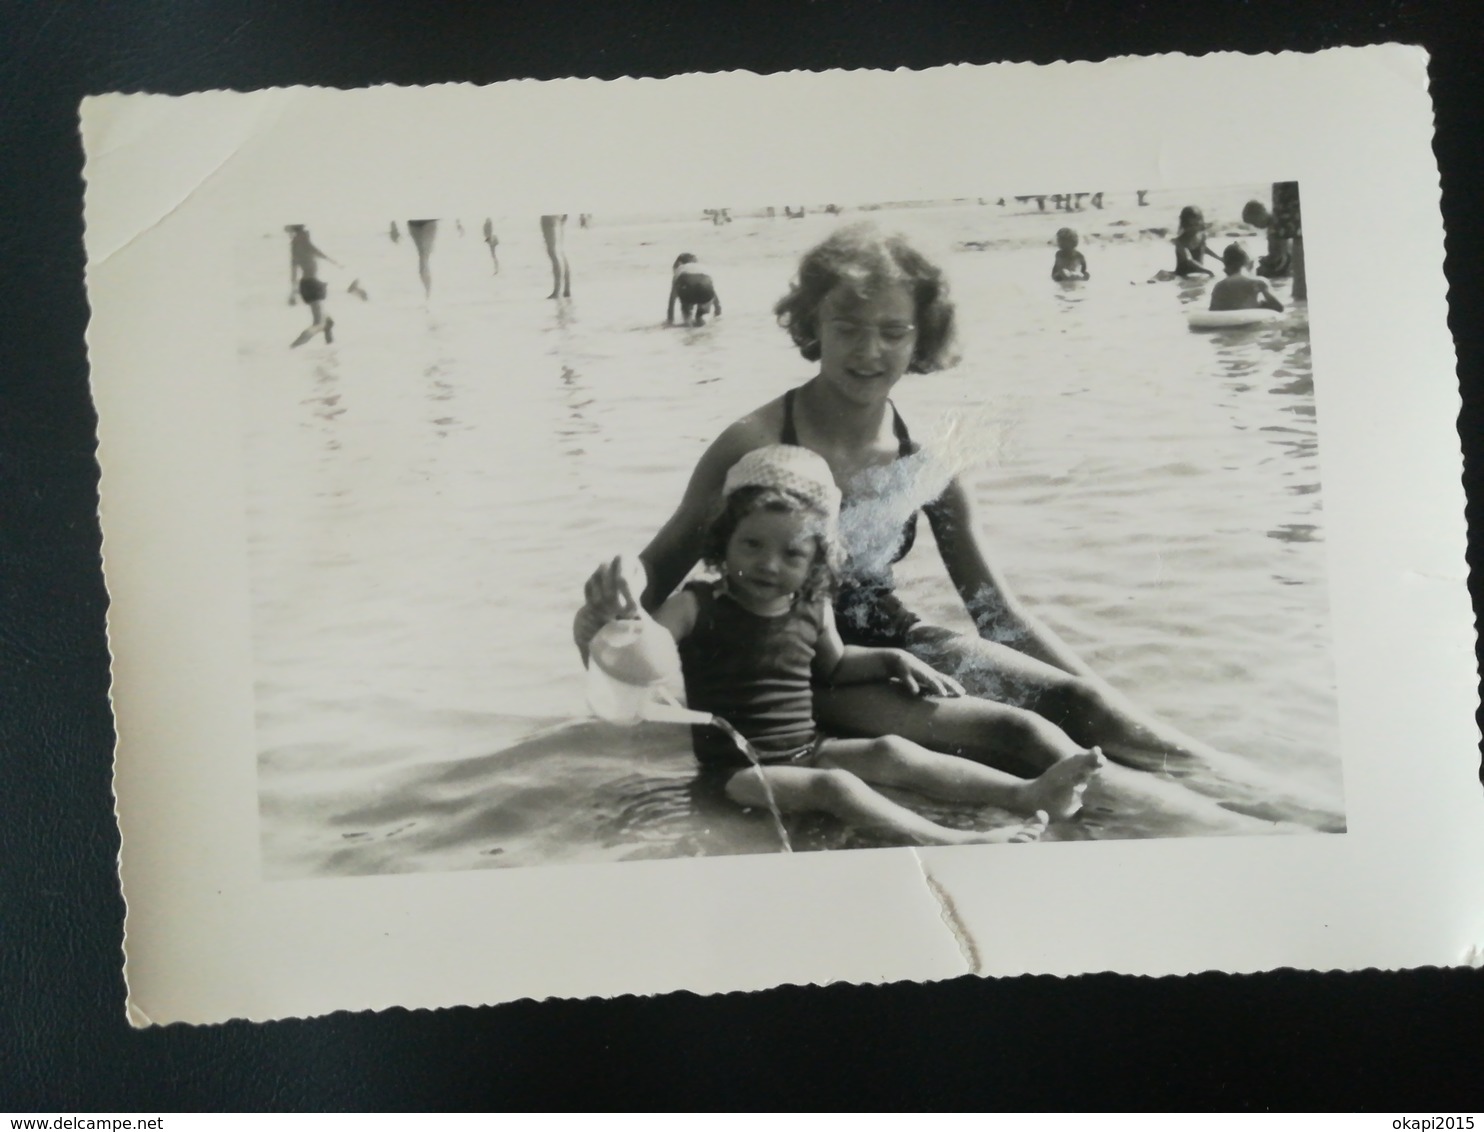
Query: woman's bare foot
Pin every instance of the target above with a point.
(1058, 791)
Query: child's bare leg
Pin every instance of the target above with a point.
(845, 796)
(316, 326)
(894, 761)
(1002, 735)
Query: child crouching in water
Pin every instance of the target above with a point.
(752, 643)
(1069, 263)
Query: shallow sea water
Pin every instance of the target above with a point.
(426, 495)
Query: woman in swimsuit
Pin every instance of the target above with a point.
(870, 308)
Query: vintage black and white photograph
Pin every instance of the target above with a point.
(655, 548)
(782, 527)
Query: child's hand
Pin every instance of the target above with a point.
(919, 677)
(613, 589)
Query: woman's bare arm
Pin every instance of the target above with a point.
(676, 548)
(996, 613)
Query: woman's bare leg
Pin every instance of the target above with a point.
(554, 233)
(423, 233)
(848, 798)
(1087, 708)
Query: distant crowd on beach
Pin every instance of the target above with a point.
(1244, 286)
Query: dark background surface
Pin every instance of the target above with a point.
(1284, 1040)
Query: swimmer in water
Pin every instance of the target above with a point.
(1240, 291)
(1069, 263)
(692, 288)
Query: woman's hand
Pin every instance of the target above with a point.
(917, 676)
(614, 588)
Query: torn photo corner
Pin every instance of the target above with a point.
(1144, 418)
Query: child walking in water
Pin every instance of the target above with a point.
(752, 643)
(305, 283)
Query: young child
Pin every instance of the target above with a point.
(554, 235)
(1277, 263)
(305, 283)
(1190, 244)
(751, 644)
(692, 288)
(1240, 291)
(1069, 263)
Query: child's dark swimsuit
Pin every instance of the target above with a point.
(312, 290)
(754, 672)
(867, 610)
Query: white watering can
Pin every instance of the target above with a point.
(633, 675)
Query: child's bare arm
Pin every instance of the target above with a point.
(674, 298)
(677, 614)
(1266, 296)
(1082, 262)
(860, 665)
(830, 649)
(838, 663)
(322, 255)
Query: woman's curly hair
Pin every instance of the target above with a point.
(865, 259)
(824, 571)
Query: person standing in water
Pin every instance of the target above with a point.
(423, 233)
(554, 233)
(493, 242)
